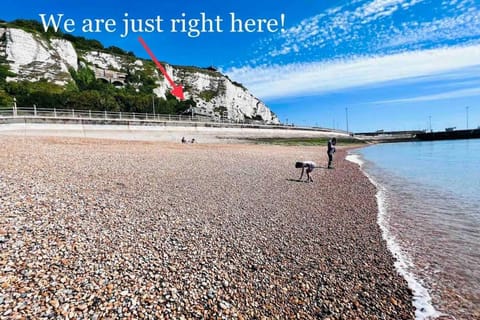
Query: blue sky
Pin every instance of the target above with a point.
(388, 64)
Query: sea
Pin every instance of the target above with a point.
(428, 195)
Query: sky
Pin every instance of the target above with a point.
(361, 65)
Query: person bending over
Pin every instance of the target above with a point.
(307, 166)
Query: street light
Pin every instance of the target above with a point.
(153, 105)
(14, 106)
(467, 117)
(346, 116)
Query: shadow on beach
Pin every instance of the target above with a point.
(295, 180)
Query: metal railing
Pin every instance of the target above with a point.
(110, 115)
(121, 117)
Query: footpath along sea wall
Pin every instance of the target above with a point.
(204, 132)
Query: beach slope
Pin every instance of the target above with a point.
(107, 229)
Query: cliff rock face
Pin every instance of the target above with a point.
(32, 57)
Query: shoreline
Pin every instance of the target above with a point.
(421, 299)
(431, 222)
(103, 228)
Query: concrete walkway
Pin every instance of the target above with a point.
(160, 132)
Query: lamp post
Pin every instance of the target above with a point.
(467, 116)
(14, 107)
(346, 116)
(153, 105)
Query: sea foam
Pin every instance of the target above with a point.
(422, 301)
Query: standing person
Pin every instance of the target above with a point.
(330, 151)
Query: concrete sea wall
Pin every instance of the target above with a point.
(153, 130)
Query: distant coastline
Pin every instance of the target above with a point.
(405, 136)
(449, 135)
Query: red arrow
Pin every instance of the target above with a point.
(177, 90)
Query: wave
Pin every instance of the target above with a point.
(422, 301)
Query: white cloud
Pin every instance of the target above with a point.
(296, 79)
(382, 8)
(461, 93)
(370, 27)
(449, 28)
(335, 26)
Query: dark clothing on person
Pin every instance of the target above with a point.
(331, 147)
(330, 160)
(330, 151)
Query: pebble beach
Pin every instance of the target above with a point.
(106, 229)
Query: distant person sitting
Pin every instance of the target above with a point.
(309, 166)
(330, 151)
(193, 140)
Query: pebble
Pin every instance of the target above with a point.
(112, 229)
(224, 305)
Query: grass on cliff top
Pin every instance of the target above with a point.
(305, 141)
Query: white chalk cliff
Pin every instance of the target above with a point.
(32, 57)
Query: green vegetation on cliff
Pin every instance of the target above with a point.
(348, 141)
(85, 91)
(87, 94)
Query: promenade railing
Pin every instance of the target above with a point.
(112, 116)
(99, 115)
